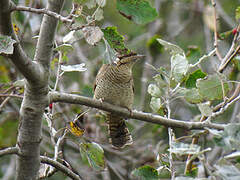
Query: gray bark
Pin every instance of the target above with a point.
(36, 89)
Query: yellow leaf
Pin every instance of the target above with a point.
(76, 129)
(16, 28)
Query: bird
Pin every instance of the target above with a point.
(114, 84)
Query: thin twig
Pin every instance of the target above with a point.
(11, 95)
(8, 151)
(223, 66)
(58, 70)
(3, 103)
(203, 58)
(215, 30)
(40, 11)
(230, 51)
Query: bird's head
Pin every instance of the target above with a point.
(128, 61)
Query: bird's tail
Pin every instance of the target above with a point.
(119, 135)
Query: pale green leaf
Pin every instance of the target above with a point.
(179, 67)
(75, 67)
(109, 54)
(90, 4)
(6, 44)
(154, 90)
(205, 109)
(101, 3)
(174, 49)
(19, 83)
(184, 149)
(228, 172)
(192, 96)
(155, 104)
(94, 154)
(99, 14)
(211, 87)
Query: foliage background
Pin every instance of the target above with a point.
(186, 23)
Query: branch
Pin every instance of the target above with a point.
(8, 151)
(44, 47)
(147, 117)
(45, 160)
(203, 58)
(23, 63)
(40, 11)
(60, 167)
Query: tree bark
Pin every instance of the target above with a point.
(36, 88)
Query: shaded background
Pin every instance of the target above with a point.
(187, 23)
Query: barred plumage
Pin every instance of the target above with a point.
(114, 84)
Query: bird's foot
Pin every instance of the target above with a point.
(130, 110)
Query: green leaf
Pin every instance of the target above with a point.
(192, 78)
(225, 34)
(139, 11)
(64, 48)
(94, 154)
(211, 88)
(193, 54)
(179, 67)
(146, 173)
(154, 90)
(6, 44)
(184, 149)
(237, 13)
(75, 67)
(192, 96)
(154, 46)
(174, 49)
(115, 40)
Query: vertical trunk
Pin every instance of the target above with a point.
(29, 137)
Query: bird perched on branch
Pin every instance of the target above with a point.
(114, 84)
